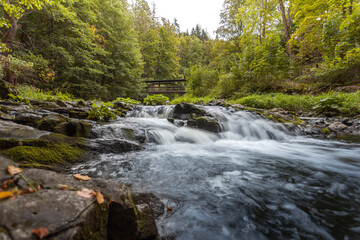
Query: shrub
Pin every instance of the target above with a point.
(128, 101)
(102, 112)
(156, 99)
(19, 99)
(29, 92)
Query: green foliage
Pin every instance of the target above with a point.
(328, 104)
(156, 99)
(200, 79)
(191, 99)
(128, 101)
(101, 112)
(19, 99)
(33, 93)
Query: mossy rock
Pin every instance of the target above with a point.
(74, 129)
(46, 151)
(49, 122)
(325, 131)
(208, 124)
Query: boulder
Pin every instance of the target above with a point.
(5, 116)
(113, 146)
(187, 111)
(27, 118)
(75, 128)
(337, 126)
(50, 122)
(48, 105)
(206, 123)
(58, 207)
(11, 130)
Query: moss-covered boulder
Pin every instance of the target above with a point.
(50, 122)
(75, 128)
(26, 118)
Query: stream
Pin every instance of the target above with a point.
(254, 180)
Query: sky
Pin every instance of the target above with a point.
(191, 12)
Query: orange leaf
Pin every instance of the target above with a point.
(169, 209)
(41, 232)
(99, 197)
(14, 170)
(5, 194)
(80, 177)
(86, 193)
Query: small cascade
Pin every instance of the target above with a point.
(252, 180)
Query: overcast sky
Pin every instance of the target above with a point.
(191, 12)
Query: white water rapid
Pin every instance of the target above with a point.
(253, 180)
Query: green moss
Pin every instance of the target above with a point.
(325, 131)
(57, 154)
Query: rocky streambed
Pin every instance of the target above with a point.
(54, 136)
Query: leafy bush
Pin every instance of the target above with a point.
(201, 79)
(19, 99)
(102, 112)
(37, 94)
(156, 99)
(128, 101)
(329, 104)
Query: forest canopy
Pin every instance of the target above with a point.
(106, 49)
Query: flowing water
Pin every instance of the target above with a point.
(252, 181)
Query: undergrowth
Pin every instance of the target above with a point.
(33, 93)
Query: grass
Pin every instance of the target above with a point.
(346, 104)
(33, 93)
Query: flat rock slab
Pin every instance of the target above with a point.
(11, 130)
(55, 211)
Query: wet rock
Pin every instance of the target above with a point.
(187, 111)
(347, 122)
(50, 122)
(83, 114)
(73, 112)
(48, 105)
(63, 104)
(153, 201)
(121, 105)
(219, 102)
(12, 107)
(146, 222)
(75, 128)
(11, 130)
(5, 116)
(337, 126)
(113, 146)
(69, 216)
(205, 123)
(29, 119)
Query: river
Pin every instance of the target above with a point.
(255, 180)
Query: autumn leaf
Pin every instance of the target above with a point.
(6, 194)
(14, 170)
(81, 177)
(7, 183)
(169, 209)
(99, 197)
(41, 232)
(86, 193)
(64, 187)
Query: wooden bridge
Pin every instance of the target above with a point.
(165, 86)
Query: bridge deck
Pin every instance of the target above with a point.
(165, 86)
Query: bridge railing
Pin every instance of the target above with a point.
(165, 86)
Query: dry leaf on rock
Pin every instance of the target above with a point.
(64, 187)
(7, 183)
(169, 209)
(41, 232)
(86, 193)
(99, 197)
(6, 194)
(81, 177)
(14, 170)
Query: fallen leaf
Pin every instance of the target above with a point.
(81, 177)
(86, 193)
(5, 194)
(64, 187)
(169, 209)
(14, 170)
(38, 187)
(99, 197)
(41, 232)
(7, 183)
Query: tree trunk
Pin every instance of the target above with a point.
(8, 39)
(264, 9)
(351, 7)
(286, 23)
